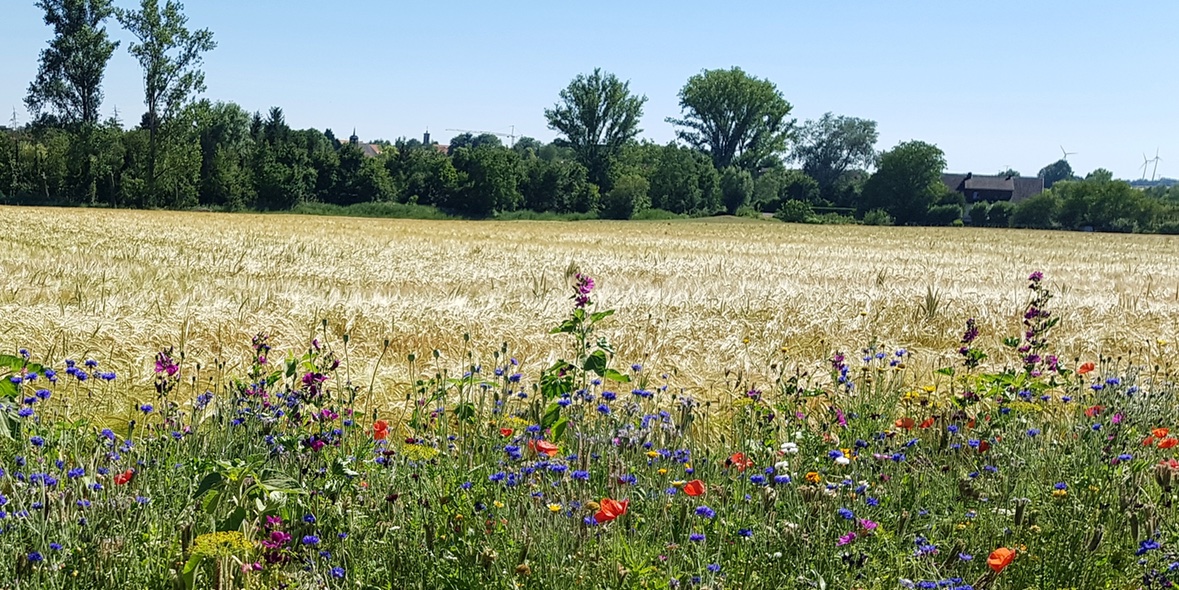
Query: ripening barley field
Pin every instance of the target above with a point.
(703, 300)
(195, 400)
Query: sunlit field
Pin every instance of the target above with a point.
(197, 400)
(701, 300)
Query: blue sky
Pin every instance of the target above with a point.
(992, 83)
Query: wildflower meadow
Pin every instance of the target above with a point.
(594, 472)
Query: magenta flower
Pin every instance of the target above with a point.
(846, 539)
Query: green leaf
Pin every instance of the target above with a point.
(234, 521)
(947, 371)
(551, 415)
(600, 315)
(207, 483)
(566, 327)
(559, 429)
(188, 574)
(613, 375)
(1011, 342)
(596, 362)
(465, 412)
(7, 388)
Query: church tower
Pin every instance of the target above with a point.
(354, 140)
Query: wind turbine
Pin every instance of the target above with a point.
(1145, 164)
(1156, 165)
(1066, 154)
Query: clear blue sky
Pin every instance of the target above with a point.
(992, 83)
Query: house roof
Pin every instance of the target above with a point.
(371, 150)
(1021, 187)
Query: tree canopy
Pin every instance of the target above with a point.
(596, 116)
(831, 145)
(907, 181)
(738, 119)
(69, 82)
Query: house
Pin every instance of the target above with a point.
(979, 188)
(370, 150)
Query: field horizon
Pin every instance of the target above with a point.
(700, 300)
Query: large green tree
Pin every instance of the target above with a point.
(69, 82)
(170, 56)
(738, 119)
(831, 145)
(596, 116)
(1056, 172)
(907, 181)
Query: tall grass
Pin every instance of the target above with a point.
(589, 472)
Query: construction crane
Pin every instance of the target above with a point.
(511, 136)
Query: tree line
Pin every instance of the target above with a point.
(737, 151)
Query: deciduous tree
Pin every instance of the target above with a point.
(736, 118)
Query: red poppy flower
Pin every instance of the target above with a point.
(906, 423)
(739, 461)
(1086, 368)
(1000, 558)
(506, 432)
(694, 488)
(1093, 411)
(380, 430)
(1160, 432)
(544, 447)
(983, 446)
(927, 422)
(1168, 442)
(124, 477)
(1148, 442)
(610, 509)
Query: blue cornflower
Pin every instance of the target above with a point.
(745, 532)
(37, 441)
(1061, 486)
(714, 567)
(338, 572)
(310, 540)
(580, 475)
(847, 514)
(696, 537)
(146, 408)
(35, 557)
(604, 409)
(1147, 545)
(705, 511)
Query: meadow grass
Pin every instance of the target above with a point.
(591, 473)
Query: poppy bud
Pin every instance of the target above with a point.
(903, 522)
(1162, 475)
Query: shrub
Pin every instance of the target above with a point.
(878, 217)
(794, 211)
(999, 214)
(628, 197)
(943, 214)
(978, 214)
(1038, 212)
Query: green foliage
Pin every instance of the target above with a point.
(628, 197)
(1000, 214)
(559, 186)
(1056, 172)
(654, 214)
(831, 146)
(389, 210)
(878, 217)
(1036, 212)
(736, 187)
(978, 214)
(683, 181)
(596, 116)
(737, 119)
(489, 180)
(793, 211)
(907, 181)
(943, 215)
(68, 86)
